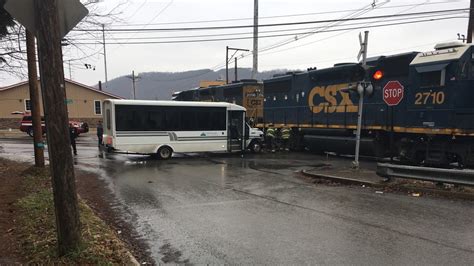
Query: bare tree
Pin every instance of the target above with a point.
(13, 61)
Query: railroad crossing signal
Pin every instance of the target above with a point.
(393, 93)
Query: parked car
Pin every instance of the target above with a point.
(26, 125)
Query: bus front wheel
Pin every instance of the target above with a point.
(165, 153)
(256, 146)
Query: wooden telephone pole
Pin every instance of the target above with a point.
(57, 125)
(34, 100)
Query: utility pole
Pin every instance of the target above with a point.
(34, 100)
(134, 79)
(227, 65)
(227, 59)
(133, 83)
(470, 26)
(235, 70)
(56, 116)
(255, 39)
(105, 54)
(361, 89)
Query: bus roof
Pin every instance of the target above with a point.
(230, 106)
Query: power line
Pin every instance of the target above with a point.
(274, 35)
(365, 24)
(295, 31)
(219, 66)
(280, 24)
(272, 17)
(157, 14)
(358, 13)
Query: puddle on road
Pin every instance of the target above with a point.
(171, 255)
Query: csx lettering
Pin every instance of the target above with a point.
(255, 102)
(331, 99)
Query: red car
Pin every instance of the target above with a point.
(26, 125)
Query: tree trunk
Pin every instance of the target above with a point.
(56, 118)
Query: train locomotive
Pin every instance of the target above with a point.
(431, 123)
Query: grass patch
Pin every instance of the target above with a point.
(37, 230)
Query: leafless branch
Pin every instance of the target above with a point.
(13, 49)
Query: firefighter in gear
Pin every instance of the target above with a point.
(270, 135)
(285, 137)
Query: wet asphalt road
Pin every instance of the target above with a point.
(253, 210)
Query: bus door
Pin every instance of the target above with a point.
(235, 131)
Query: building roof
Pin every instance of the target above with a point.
(68, 81)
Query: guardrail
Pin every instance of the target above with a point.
(452, 176)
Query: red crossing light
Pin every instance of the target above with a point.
(378, 75)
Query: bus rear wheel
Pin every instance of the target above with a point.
(165, 153)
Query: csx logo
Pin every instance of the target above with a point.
(330, 99)
(255, 102)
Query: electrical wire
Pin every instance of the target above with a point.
(273, 17)
(344, 32)
(293, 31)
(360, 12)
(278, 24)
(272, 36)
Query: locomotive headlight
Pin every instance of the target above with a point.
(378, 75)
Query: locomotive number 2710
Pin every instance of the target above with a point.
(436, 97)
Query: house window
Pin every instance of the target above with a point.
(28, 105)
(98, 107)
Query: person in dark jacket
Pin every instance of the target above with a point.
(100, 132)
(73, 136)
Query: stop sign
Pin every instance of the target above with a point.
(393, 93)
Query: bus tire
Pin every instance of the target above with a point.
(256, 146)
(165, 153)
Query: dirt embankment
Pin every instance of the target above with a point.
(28, 229)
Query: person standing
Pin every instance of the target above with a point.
(270, 135)
(100, 132)
(73, 136)
(285, 137)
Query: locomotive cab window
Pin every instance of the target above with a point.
(432, 79)
(432, 75)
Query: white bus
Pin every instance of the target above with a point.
(163, 127)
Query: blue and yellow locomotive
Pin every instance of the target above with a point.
(431, 123)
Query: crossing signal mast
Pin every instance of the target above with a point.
(363, 88)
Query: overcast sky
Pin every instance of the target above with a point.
(316, 50)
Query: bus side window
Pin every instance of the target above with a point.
(188, 120)
(155, 120)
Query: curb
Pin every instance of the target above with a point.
(440, 192)
(343, 180)
(388, 185)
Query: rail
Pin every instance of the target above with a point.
(452, 176)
